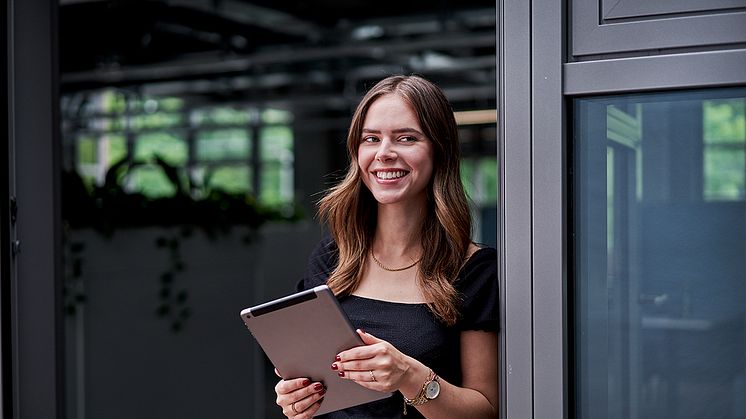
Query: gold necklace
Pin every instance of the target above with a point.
(378, 262)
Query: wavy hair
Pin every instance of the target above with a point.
(349, 209)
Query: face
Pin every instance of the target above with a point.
(395, 157)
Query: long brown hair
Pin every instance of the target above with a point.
(349, 209)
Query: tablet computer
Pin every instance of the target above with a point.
(301, 334)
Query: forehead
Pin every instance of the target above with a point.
(390, 110)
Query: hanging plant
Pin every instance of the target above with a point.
(110, 207)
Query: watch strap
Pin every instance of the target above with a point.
(421, 397)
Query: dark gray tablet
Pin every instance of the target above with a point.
(301, 334)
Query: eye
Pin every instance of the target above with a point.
(407, 139)
(370, 139)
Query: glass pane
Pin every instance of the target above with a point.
(277, 143)
(232, 179)
(276, 172)
(155, 120)
(724, 169)
(724, 121)
(223, 144)
(276, 116)
(113, 148)
(658, 265)
(479, 177)
(149, 181)
(87, 150)
(222, 115)
(96, 155)
(167, 146)
(467, 177)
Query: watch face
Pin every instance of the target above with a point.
(432, 389)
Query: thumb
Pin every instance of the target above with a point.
(367, 338)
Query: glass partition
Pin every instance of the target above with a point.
(658, 255)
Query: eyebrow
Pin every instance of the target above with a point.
(396, 131)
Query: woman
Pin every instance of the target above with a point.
(401, 261)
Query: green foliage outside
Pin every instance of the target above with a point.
(223, 144)
(222, 156)
(479, 177)
(725, 149)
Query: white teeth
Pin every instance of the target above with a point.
(390, 175)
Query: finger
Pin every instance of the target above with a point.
(289, 386)
(301, 400)
(302, 413)
(307, 402)
(361, 376)
(380, 350)
(277, 373)
(372, 346)
(367, 338)
(309, 412)
(357, 365)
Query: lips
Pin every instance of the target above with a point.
(390, 174)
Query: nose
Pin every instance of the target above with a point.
(385, 151)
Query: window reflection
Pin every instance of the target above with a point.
(659, 256)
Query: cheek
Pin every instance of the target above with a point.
(364, 158)
(427, 165)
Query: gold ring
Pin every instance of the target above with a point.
(372, 376)
(292, 406)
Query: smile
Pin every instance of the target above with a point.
(396, 174)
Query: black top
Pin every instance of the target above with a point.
(411, 327)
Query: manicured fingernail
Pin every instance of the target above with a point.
(322, 392)
(361, 331)
(341, 373)
(318, 386)
(337, 358)
(306, 382)
(334, 367)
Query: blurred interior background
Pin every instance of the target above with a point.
(197, 136)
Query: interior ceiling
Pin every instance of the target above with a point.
(304, 54)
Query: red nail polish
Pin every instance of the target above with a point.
(306, 382)
(318, 386)
(341, 373)
(362, 331)
(322, 392)
(334, 367)
(337, 358)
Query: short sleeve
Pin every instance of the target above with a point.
(321, 263)
(479, 291)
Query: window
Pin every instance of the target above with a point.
(233, 148)
(657, 253)
(725, 149)
(479, 172)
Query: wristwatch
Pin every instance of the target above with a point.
(429, 391)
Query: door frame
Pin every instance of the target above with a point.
(537, 80)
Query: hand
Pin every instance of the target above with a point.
(299, 397)
(376, 365)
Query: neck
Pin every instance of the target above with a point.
(398, 231)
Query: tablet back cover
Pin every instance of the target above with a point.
(301, 334)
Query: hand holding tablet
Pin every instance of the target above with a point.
(301, 334)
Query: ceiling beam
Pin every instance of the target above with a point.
(250, 14)
(216, 64)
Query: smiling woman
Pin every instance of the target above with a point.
(401, 261)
